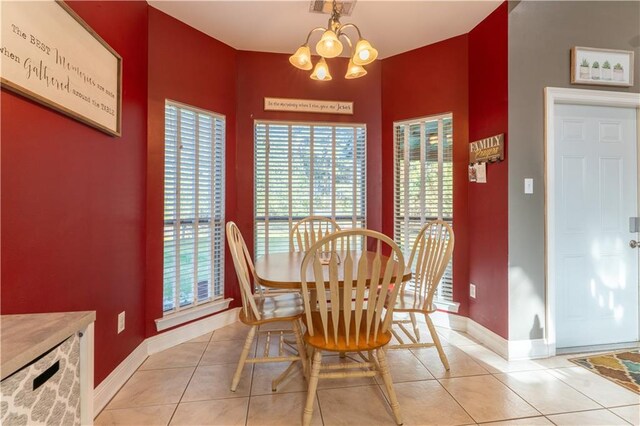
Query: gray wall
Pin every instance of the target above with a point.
(541, 35)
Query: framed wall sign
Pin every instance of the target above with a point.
(308, 105)
(50, 55)
(605, 67)
(487, 150)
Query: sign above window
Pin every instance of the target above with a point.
(308, 105)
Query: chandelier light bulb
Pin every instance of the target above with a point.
(321, 71)
(364, 53)
(302, 58)
(329, 46)
(354, 71)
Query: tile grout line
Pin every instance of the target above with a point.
(457, 402)
(616, 414)
(576, 389)
(562, 381)
(585, 411)
(195, 368)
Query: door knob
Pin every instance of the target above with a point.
(634, 244)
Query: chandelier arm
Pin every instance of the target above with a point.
(348, 42)
(313, 31)
(351, 26)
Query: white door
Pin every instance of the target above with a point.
(596, 194)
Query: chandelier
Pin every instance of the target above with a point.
(330, 46)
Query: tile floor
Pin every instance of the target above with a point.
(189, 385)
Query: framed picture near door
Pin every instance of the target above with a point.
(605, 67)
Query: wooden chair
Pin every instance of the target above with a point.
(339, 324)
(431, 253)
(309, 230)
(261, 309)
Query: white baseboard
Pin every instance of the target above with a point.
(528, 349)
(107, 389)
(508, 349)
(448, 320)
(168, 339)
(493, 341)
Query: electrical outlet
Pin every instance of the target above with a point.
(120, 322)
(472, 291)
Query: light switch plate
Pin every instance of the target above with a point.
(472, 291)
(528, 185)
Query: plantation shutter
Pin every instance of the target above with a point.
(306, 169)
(194, 207)
(423, 182)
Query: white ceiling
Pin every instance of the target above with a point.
(281, 26)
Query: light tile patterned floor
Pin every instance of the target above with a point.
(189, 385)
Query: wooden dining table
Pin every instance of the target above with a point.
(282, 270)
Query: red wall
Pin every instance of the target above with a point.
(82, 210)
(428, 81)
(73, 200)
(271, 75)
(488, 226)
(190, 67)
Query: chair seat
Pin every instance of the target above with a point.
(409, 301)
(279, 307)
(318, 341)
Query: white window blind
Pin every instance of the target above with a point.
(304, 169)
(423, 182)
(193, 207)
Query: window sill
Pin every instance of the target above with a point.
(191, 314)
(445, 306)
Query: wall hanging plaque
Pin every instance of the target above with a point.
(50, 55)
(307, 105)
(487, 150)
(605, 67)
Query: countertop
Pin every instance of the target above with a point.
(25, 337)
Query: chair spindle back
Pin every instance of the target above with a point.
(345, 273)
(309, 230)
(244, 269)
(432, 251)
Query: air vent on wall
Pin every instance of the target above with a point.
(326, 6)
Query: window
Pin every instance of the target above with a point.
(307, 169)
(193, 207)
(423, 182)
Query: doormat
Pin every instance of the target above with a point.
(622, 368)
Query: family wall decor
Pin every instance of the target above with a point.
(50, 55)
(606, 67)
(481, 152)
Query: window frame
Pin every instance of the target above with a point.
(354, 125)
(444, 304)
(216, 301)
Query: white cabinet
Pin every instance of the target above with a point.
(47, 369)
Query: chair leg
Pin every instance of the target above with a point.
(313, 385)
(416, 329)
(388, 383)
(243, 358)
(302, 351)
(436, 341)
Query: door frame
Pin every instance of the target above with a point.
(552, 97)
